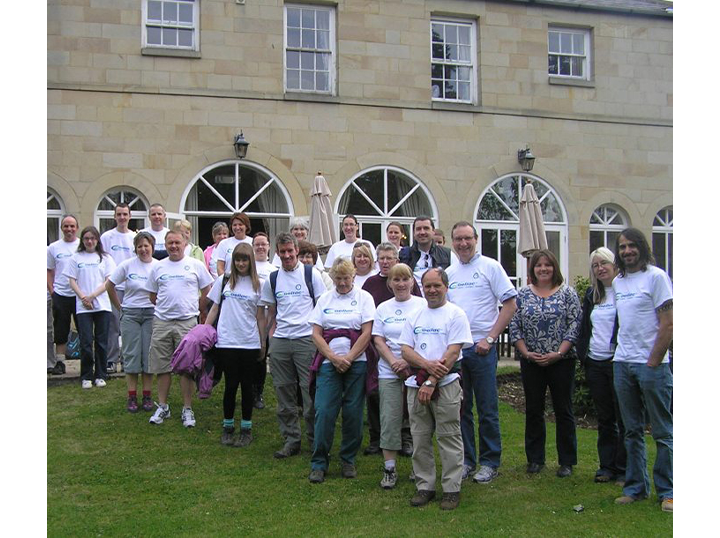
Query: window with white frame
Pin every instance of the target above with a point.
(309, 49)
(105, 211)
(662, 239)
(606, 223)
(453, 58)
(569, 53)
(55, 211)
(171, 24)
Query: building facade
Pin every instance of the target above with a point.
(407, 107)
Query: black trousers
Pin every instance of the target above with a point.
(238, 365)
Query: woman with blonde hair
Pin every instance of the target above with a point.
(220, 231)
(364, 262)
(596, 348)
(191, 249)
(240, 339)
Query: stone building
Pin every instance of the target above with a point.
(406, 106)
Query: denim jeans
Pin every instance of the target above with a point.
(93, 329)
(479, 381)
(334, 391)
(640, 390)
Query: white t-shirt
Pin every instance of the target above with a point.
(360, 280)
(277, 262)
(602, 319)
(119, 246)
(343, 311)
(176, 285)
(237, 326)
(58, 257)
(223, 252)
(90, 272)
(478, 287)
(431, 330)
(343, 249)
(134, 274)
(264, 269)
(159, 237)
(637, 295)
(293, 301)
(390, 318)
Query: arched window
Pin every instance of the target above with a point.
(226, 187)
(105, 212)
(498, 219)
(380, 195)
(606, 223)
(55, 211)
(662, 239)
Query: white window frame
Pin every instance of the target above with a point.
(586, 55)
(135, 214)
(195, 26)
(331, 51)
(470, 64)
(663, 226)
(55, 214)
(614, 222)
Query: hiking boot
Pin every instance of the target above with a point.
(467, 471)
(450, 501)
(372, 450)
(602, 477)
(259, 402)
(86, 384)
(422, 497)
(628, 499)
(161, 413)
(666, 505)
(286, 452)
(564, 471)
(147, 403)
(188, 417)
(100, 383)
(348, 470)
(389, 479)
(485, 474)
(534, 468)
(244, 439)
(58, 369)
(316, 476)
(132, 404)
(227, 436)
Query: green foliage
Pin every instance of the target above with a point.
(581, 285)
(582, 401)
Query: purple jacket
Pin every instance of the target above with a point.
(188, 356)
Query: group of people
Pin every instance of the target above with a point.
(410, 332)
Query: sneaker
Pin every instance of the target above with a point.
(422, 497)
(161, 413)
(188, 417)
(564, 471)
(628, 499)
(244, 439)
(348, 470)
(316, 476)
(450, 501)
(286, 452)
(227, 437)
(110, 368)
(259, 402)
(86, 384)
(389, 479)
(485, 474)
(667, 505)
(100, 383)
(372, 450)
(467, 471)
(147, 403)
(132, 405)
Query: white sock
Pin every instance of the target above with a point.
(390, 464)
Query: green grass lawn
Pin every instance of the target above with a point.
(111, 473)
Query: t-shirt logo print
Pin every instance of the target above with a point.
(298, 286)
(187, 267)
(423, 346)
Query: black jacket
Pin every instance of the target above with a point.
(439, 255)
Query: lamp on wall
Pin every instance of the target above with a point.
(241, 146)
(526, 159)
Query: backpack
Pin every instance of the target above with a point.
(308, 282)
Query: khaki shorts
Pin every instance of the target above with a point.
(166, 337)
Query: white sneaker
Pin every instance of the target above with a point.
(161, 413)
(86, 384)
(485, 474)
(188, 417)
(100, 383)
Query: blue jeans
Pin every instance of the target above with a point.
(642, 389)
(93, 329)
(333, 391)
(479, 380)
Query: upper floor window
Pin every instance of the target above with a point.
(173, 24)
(309, 49)
(453, 59)
(569, 53)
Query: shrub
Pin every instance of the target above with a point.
(582, 401)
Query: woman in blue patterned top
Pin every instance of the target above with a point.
(543, 330)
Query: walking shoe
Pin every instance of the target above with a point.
(188, 417)
(132, 405)
(86, 384)
(348, 470)
(244, 439)
(422, 497)
(316, 476)
(161, 413)
(286, 452)
(147, 403)
(372, 450)
(100, 383)
(389, 479)
(407, 448)
(259, 402)
(485, 474)
(564, 471)
(628, 499)
(601, 477)
(534, 468)
(110, 368)
(58, 369)
(450, 501)
(467, 471)
(667, 505)
(227, 437)
(412, 476)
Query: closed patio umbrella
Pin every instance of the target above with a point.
(532, 228)
(323, 232)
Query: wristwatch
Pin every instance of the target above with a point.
(490, 340)
(429, 383)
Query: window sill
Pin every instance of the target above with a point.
(172, 53)
(567, 81)
(452, 106)
(312, 97)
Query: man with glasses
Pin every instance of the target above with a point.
(424, 252)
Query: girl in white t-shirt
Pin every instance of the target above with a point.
(87, 272)
(241, 339)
